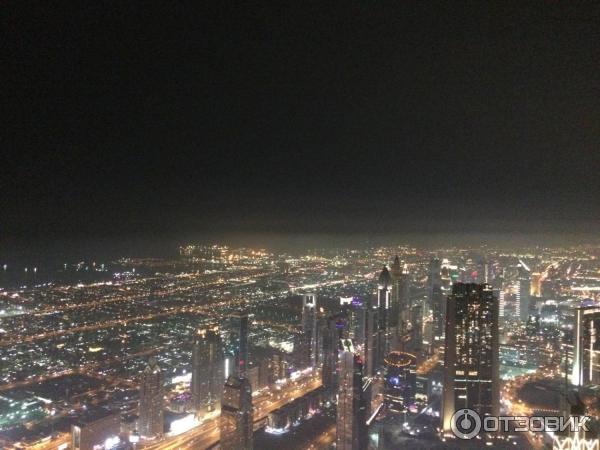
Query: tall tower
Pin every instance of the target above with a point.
(351, 424)
(436, 303)
(151, 401)
(236, 419)
(370, 345)
(308, 342)
(330, 354)
(207, 373)
(355, 312)
(471, 366)
(240, 324)
(400, 310)
(586, 349)
(395, 320)
(434, 277)
(415, 331)
(384, 287)
(524, 291)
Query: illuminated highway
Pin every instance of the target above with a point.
(61, 439)
(428, 365)
(516, 406)
(324, 440)
(207, 310)
(207, 434)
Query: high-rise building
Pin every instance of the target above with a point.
(308, 351)
(352, 406)
(586, 352)
(413, 341)
(151, 401)
(207, 370)
(524, 291)
(436, 306)
(481, 268)
(439, 314)
(434, 279)
(253, 377)
(331, 338)
(488, 271)
(278, 368)
(471, 366)
(384, 288)
(236, 421)
(370, 346)
(536, 284)
(394, 309)
(400, 320)
(94, 428)
(400, 381)
(356, 312)
(240, 330)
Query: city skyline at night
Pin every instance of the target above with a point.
(143, 349)
(315, 226)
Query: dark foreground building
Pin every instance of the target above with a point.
(471, 366)
(237, 415)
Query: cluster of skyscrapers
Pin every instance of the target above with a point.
(462, 322)
(367, 353)
(384, 348)
(209, 394)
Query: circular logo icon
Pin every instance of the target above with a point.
(465, 423)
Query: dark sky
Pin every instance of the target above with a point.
(128, 117)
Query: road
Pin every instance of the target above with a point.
(208, 310)
(54, 444)
(207, 434)
(429, 364)
(516, 407)
(325, 440)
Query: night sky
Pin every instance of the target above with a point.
(127, 117)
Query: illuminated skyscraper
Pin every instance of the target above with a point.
(207, 370)
(400, 311)
(435, 303)
(151, 401)
(94, 428)
(356, 311)
(414, 332)
(434, 278)
(331, 337)
(308, 351)
(586, 356)
(352, 407)
(384, 288)
(278, 368)
(236, 421)
(524, 291)
(240, 325)
(370, 346)
(471, 367)
(400, 381)
(536, 284)
(394, 315)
